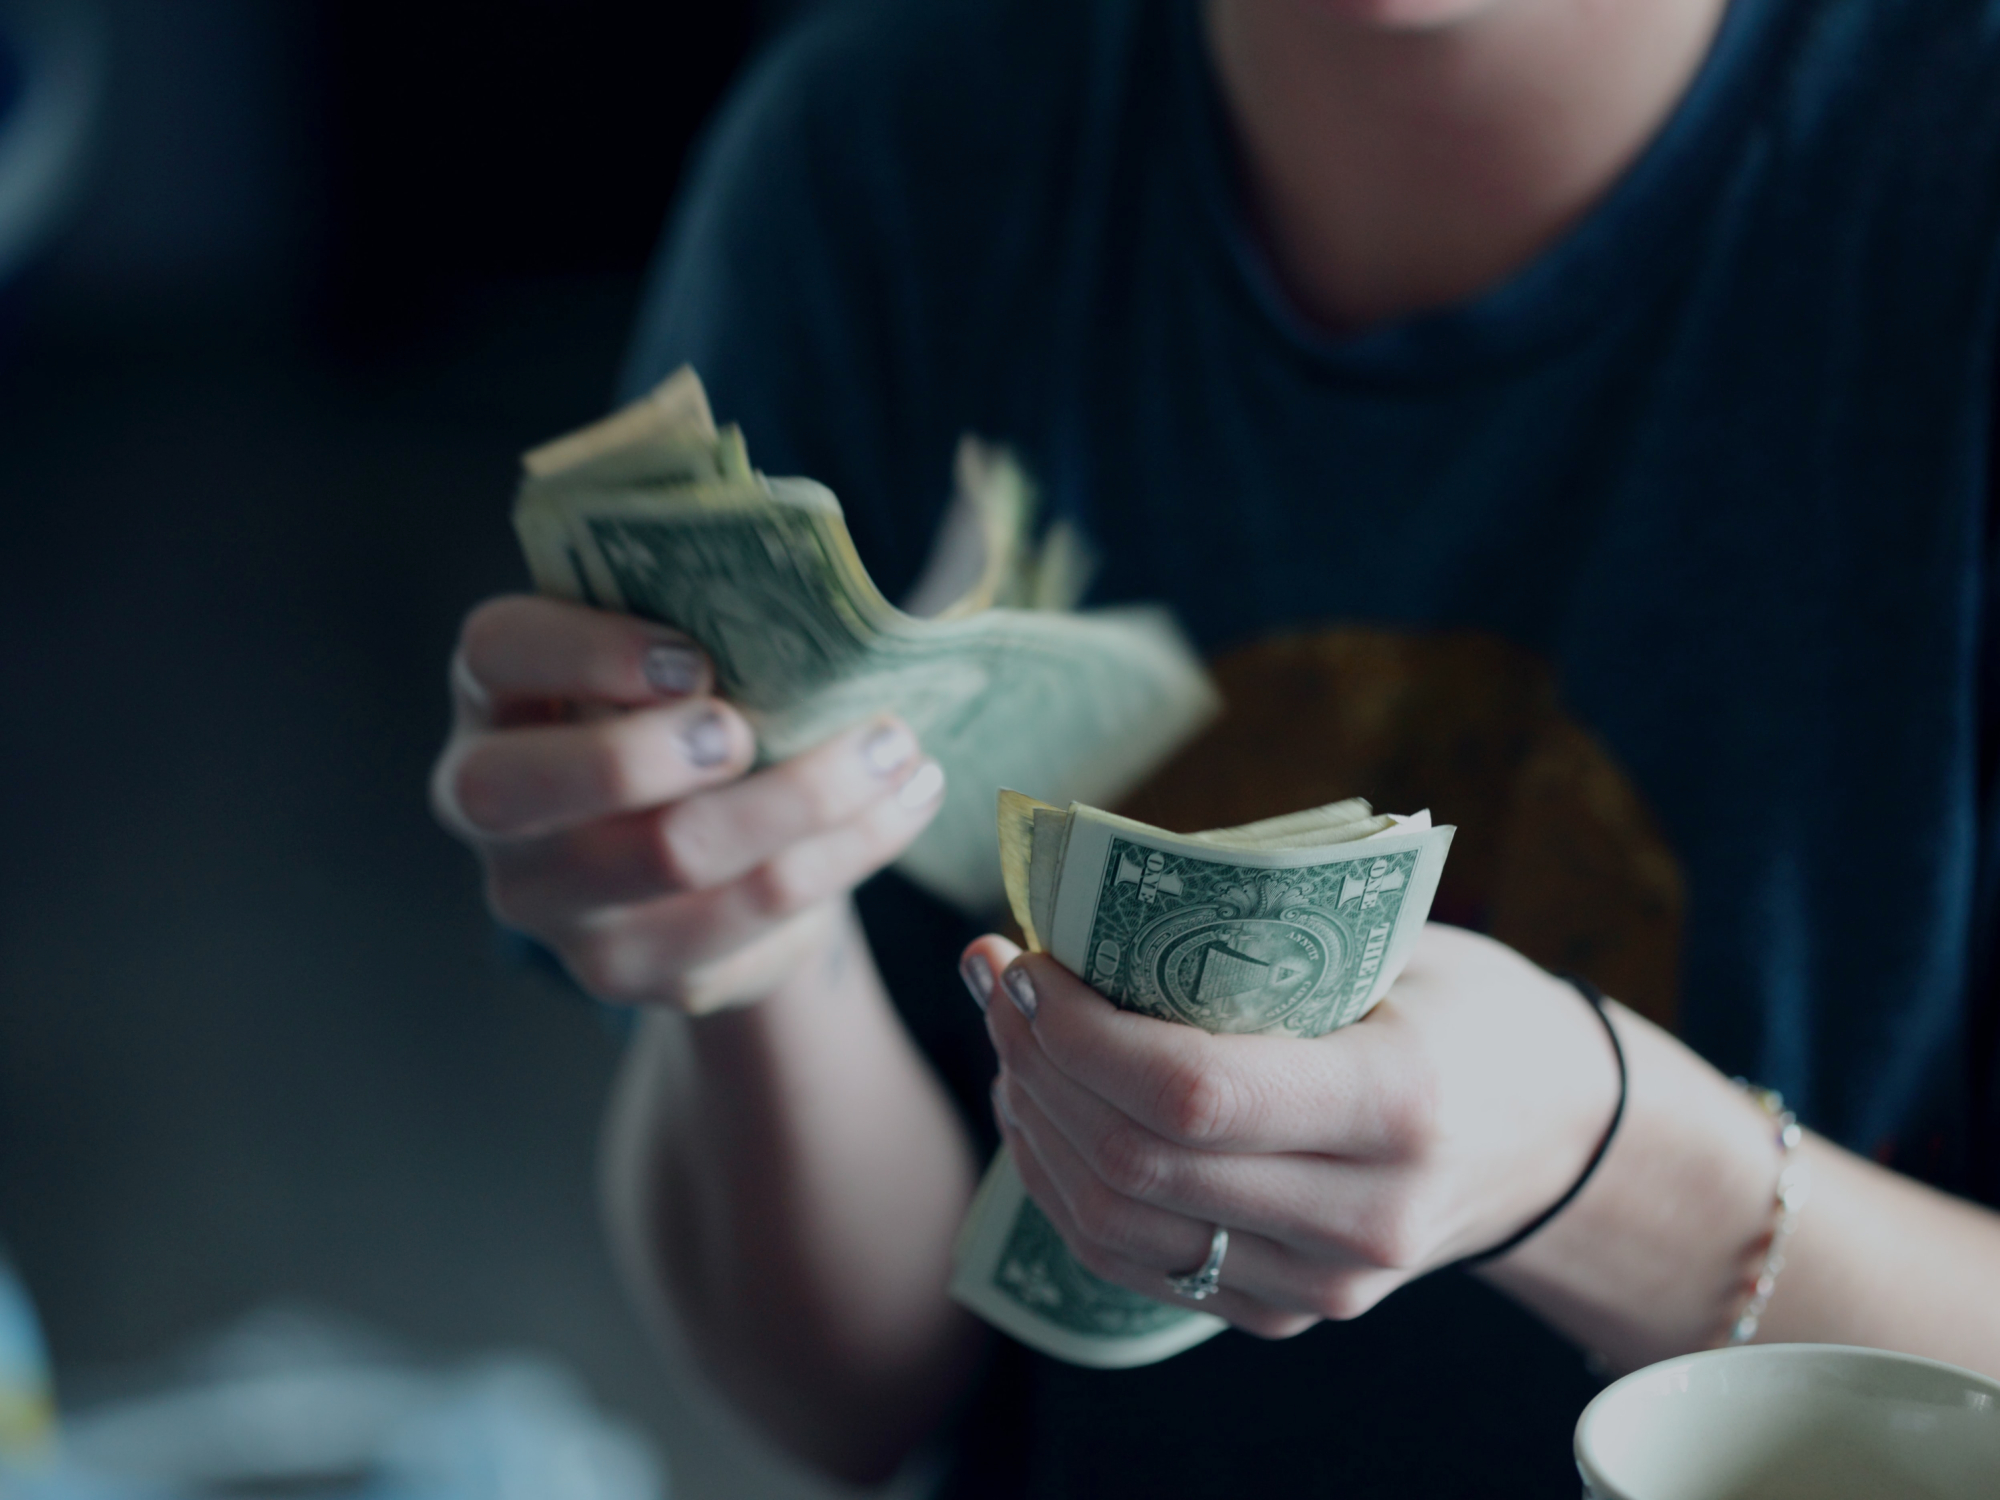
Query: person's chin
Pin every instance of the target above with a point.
(1401, 15)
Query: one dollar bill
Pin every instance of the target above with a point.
(656, 512)
(1295, 926)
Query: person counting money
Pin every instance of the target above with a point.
(1570, 418)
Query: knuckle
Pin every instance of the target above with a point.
(493, 636)
(797, 879)
(1338, 1296)
(676, 852)
(480, 790)
(1393, 1239)
(607, 769)
(1198, 1104)
(486, 629)
(1351, 1295)
(1268, 1323)
(1105, 1222)
(776, 888)
(815, 793)
(1097, 1218)
(879, 834)
(1129, 1164)
(1411, 1113)
(696, 839)
(1097, 1259)
(611, 968)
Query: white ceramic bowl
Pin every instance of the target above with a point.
(1792, 1421)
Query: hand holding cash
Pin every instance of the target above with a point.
(599, 754)
(656, 512)
(1292, 928)
(604, 786)
(1343, 1159)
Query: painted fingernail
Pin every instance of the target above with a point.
(888, 749)
(922, 789)
(978, 977)
(1021, 990)
(705, 742)
(673, 670)
(1000, 1106)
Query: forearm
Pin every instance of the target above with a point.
(1881, 1260)
(785, 1181)
(1654, 1257)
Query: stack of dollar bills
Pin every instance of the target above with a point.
(1294, 926)
(656, 512)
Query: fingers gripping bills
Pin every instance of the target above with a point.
(1294, 926)
(657, 513)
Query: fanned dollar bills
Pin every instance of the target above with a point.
(656, 512)
(1296, 925)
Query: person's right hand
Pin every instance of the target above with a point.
(602, 785)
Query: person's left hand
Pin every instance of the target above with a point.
(1343, 1167)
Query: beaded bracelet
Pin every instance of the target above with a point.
(1794, 1187)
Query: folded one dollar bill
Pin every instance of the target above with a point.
(1296, 925)
(656, 512)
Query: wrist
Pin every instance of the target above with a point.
(1592, 996)
(1652, 1257)
(808, 955)
(822, 984)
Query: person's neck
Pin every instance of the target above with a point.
(1390, 170)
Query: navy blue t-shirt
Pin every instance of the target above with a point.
(1659, 569)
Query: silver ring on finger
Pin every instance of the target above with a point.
(1206, 1280)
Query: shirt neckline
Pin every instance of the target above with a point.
(1611, 256)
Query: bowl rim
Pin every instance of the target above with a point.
(1594, 1477)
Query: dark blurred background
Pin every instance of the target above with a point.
(324, 269)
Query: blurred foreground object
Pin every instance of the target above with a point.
(1295, 925)
(27, 1405)
(51, 78)
(656, 513)
(295, 1402)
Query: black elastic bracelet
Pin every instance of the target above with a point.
(1595, 996)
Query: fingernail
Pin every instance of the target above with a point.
(888, 749)
(1000, 1106)
(673, 670)
(706, 741)
(978, 977)
(922, 789)
(1021, 990)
